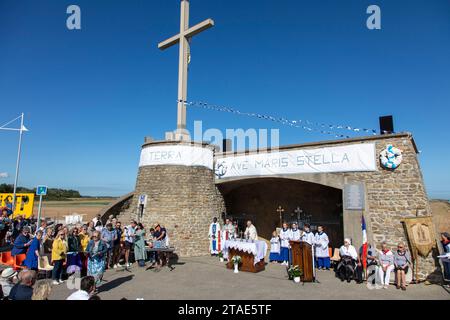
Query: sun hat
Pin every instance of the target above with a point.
(8, 273)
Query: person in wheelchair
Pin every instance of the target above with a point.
(347, 266)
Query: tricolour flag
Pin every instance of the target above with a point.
(364, 247)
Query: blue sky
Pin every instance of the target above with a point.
(91, 95)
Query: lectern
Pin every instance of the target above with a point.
(301, 253)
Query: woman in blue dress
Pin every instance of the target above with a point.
(96, 250)
(32, 259)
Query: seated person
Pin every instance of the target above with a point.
(8, 280)
(22, 242)
(23, 290)
(371, 259)
(402, 261)
(386, 265)
(347, 265)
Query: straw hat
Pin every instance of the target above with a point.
(8, 273)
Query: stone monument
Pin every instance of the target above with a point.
(175, 183)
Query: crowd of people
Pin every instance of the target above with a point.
(24, 285)
(87, 250)
(81, 250)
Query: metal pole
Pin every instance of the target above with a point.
(17, 163)
(314, 262)
(39, 212)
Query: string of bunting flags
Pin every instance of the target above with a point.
(303, 124)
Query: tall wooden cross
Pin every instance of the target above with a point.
(298, 211)
(183, 38)
(280, 210)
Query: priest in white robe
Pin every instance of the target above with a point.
(307, 235)
(250, 232)
(322, 253)
(214, 237)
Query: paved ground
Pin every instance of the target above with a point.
(206, 278)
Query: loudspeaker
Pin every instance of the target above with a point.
(386, 125)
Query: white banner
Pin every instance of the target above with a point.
(176, 155)
(356, 157)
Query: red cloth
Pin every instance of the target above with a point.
(364, 256)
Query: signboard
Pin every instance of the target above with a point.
(355, 157)
(142, 201)
(41, 190)
(24, 203)
(177, 155)
(354, 195)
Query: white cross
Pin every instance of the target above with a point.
(183, 38)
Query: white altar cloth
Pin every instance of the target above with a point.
(257, 248)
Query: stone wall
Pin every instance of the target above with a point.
(181, 198)
(393, 195)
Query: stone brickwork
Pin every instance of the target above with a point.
(183, 199)
(393, 195)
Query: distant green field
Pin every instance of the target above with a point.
(78, 203)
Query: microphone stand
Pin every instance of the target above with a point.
(313, 246)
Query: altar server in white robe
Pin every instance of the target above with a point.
(296, 233)
(323, 255)
(285, 236)
(275, 247)
(214, 237)
(250, 231)
(307, 235)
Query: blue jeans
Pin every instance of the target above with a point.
(57, 269)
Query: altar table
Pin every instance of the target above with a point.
(251, 252)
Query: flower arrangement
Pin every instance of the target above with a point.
(236, 259)
(294, 272)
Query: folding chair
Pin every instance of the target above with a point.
(44, 266)
(7, 258)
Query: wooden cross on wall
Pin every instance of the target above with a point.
(298, 211)
(280, 210)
